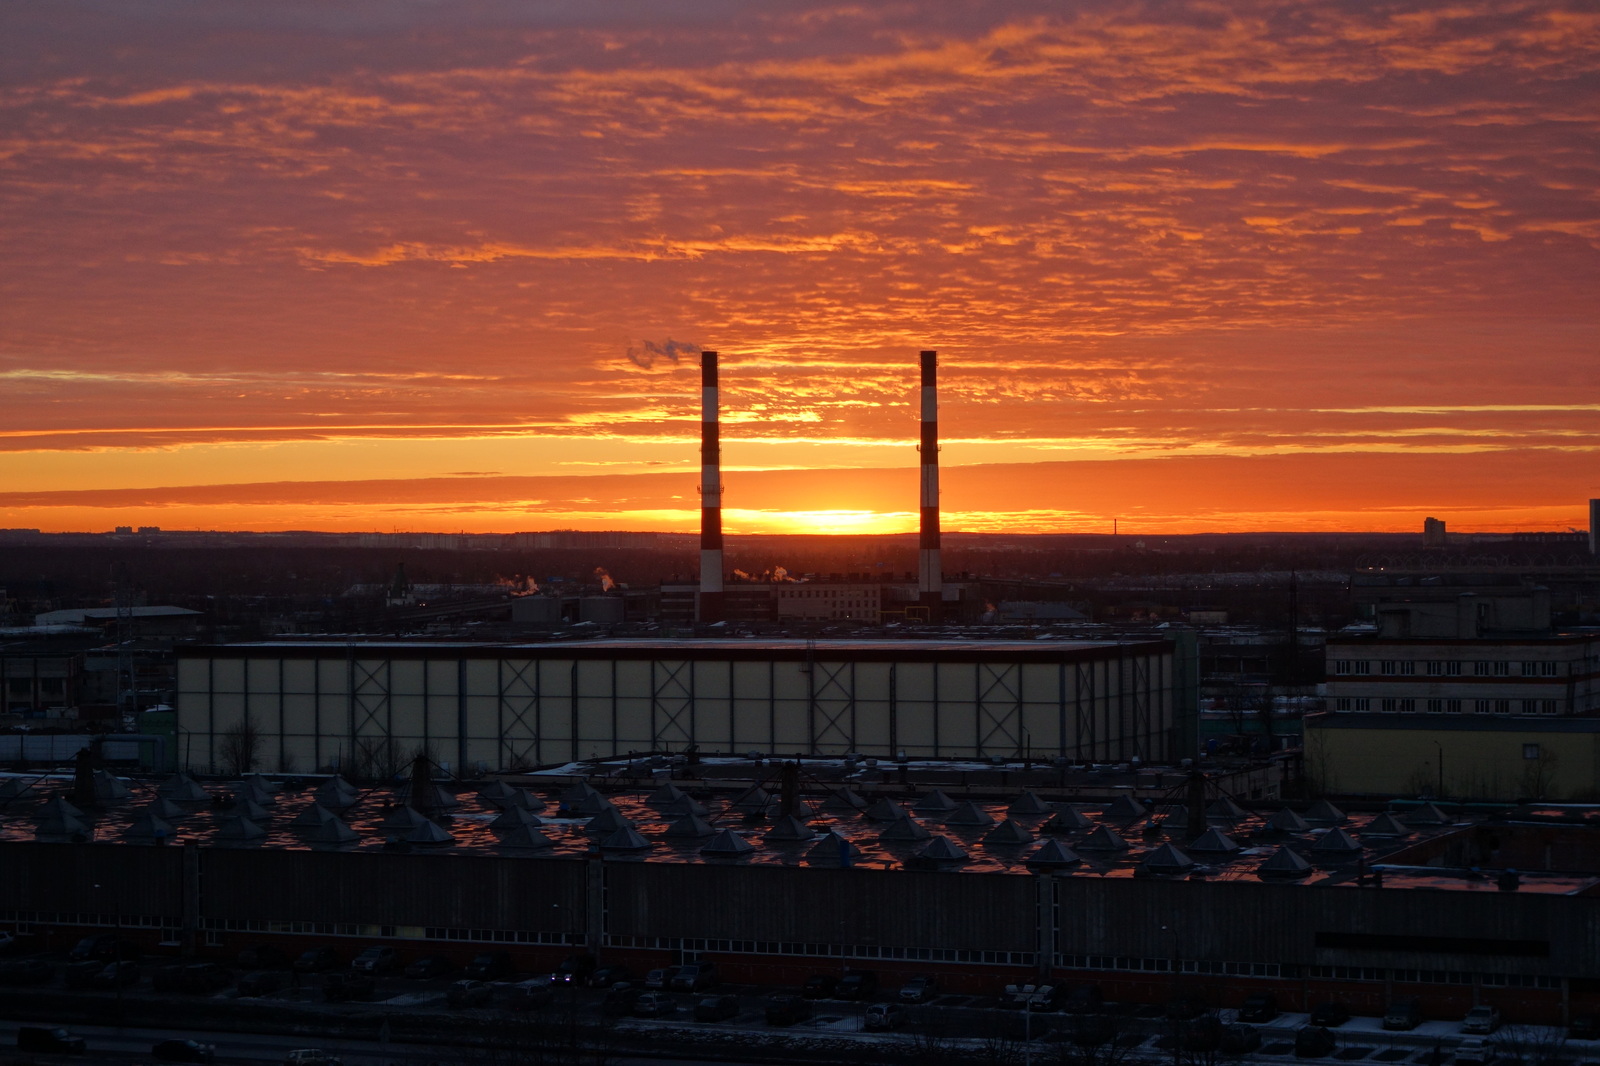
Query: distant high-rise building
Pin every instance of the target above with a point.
(1594, 527)
(1433, 534)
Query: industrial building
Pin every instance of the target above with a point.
(366, 708)
(1144, 899)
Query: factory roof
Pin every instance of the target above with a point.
(713, 649)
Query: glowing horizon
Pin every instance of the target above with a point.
(1275, 266)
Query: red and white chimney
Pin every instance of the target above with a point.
(710, 607)
(930, 576)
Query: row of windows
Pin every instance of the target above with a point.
(836, 951)
(125, 921)
(1326, 973)
(1404, 705)
(485, 936)
(1445, 667)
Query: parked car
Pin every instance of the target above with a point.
(1083, 999)
(345, 985)
(531, 994)
(1481, 1019)
(1313, 1042)
(653, 1005)
(1183, 1008)
(26, 972)
(80, 975)
(786, 1008)
(489, 966)
(316, 960)
(310, 1056)
(116, 975)
(1330, 1015)
(574, 969)
(262, 957)
(429, 968)
(884, 1016)
(99, 946)
(1042, 998)
(1262, 1008)
(376, 961)
(919, 990)
(49, 1040)
(857, 984)
(606, 976)
(1584, 1027)
(262, 983)
(695, 977)
(1403, 1014)
(719, 1008)
(1475, 1051)
(1240, 1039)
(204, 978)
(619, 999)
(1203, 1033)
(468, 992)
(183, 1051)
(660, 977)
(819, 986)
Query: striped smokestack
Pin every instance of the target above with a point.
(930, 578)
(710, 494)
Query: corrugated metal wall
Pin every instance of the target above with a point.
(368, 708)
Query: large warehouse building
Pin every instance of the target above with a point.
(367, 708)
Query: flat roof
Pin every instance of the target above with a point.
(1453, 723)
(716, 648)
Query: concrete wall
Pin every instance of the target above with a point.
(1499, 759)
(367, 708)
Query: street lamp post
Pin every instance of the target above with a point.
(1172, 1005)
(1440, 746)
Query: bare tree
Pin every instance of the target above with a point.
(239, 748)
(1531, 1045)
(1096, 1040)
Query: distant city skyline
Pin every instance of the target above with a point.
(1287, 266)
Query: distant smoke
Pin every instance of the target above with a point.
(645, 357)
(606, 584)
(518, 584)
(741, 575)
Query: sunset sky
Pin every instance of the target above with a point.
(404, 264)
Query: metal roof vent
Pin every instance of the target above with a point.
(690, 827)
(1124, 808)
(969, 813)
(1324, 813)
(526, 837)
(940, 850)
(1103, 839)
(1028, 804)
(1215, 842)
(905, 829)
(832, 850)
(1008, 832)
(788, 829)
(1288, 821)
(1167, 859)
(727, 842)
(1054, 853)
(886, 810)
(513, 818)
(1286, 864)
(935, 802)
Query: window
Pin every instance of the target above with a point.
(1363, 704)
(1363, 666)
(1502, 669)
(1435, 706)
(1530, 669)
(1408, 706)
(1435, 668)
(1452, 706)
(1390, 666)
(1547, 706)
(1341, 666)
(1408, 667)
(1388, 705)
(1342, 703)
(1529, 706)
(1481, 668)
(1547, 669)
(1481, 706)
(1502, 706)
(1530, 751)
(1453, 668)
